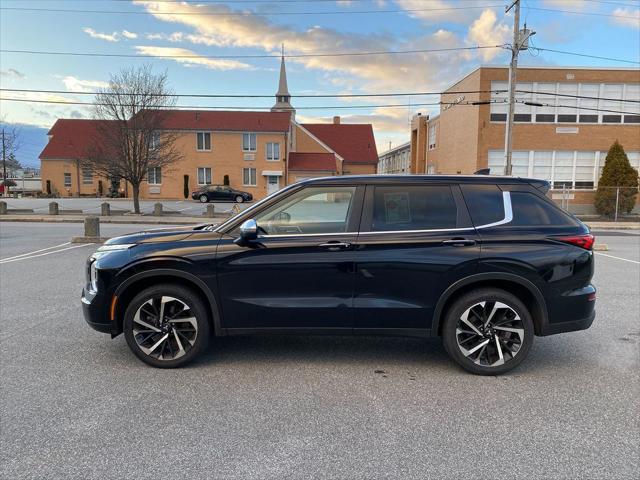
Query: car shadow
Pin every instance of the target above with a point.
(317, 349)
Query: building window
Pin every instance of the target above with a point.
(154, 141)
(273, 151)
(249, 178)
(204, 176)
(67, 180)
(203, 141)
(154, 176)
(249, 142)
(87, 176)
(432, 136)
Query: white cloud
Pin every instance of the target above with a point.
(570, 4)
(435, 11)
(12, 73)
(129, 35)
(627, 17)
(74, 84)
(486, 30)
(193, 58)
(109, 37)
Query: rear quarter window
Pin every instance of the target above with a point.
(531, 210)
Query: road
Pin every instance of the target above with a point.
(76, 404)
(92, 205)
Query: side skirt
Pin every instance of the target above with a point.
(387, 332)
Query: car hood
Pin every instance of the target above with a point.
(159, 235)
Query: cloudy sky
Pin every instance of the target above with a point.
(239, 28)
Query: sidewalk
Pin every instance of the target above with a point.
(124, 219)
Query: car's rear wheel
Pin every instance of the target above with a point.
(204, 199)
(239, 199)
(166, 326)
(488, 331)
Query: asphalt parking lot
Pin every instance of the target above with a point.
(76, 404)
(92, 205)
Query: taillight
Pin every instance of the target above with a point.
(582, 241)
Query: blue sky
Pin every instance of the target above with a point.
(170, 27)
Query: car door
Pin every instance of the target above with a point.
(299, 272)
(415, 241)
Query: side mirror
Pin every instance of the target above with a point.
(249, 230)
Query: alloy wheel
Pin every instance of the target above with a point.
(204, 199)
(490, 333)
(165, 328)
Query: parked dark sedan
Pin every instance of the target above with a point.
(221, 193)
(485, 263)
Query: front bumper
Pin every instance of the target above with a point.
(95, 311)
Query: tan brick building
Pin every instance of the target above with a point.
(562, 133)
(258, 152)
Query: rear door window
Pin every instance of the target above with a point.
(484, 202)
(413, 207)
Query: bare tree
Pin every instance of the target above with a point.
(132, 138)
(10, 143)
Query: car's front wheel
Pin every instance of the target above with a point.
(204, 199)
(488, 331)
(239, 199)
(166, 326)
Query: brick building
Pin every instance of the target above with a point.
(259, 152)
(562, 135)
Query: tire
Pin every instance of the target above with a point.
(489, 350)
(239, 199)
(182, 344)
(204, 199)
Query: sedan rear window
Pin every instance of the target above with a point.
(413, 207)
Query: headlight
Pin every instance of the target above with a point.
(93, 277)
(116, 247)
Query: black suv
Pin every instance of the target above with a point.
(484, 262)
(221, 193)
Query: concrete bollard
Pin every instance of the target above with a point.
(3, 208)
(105, 209)
(53, 208)
(92, 227)
(157, 209)
(210, 211)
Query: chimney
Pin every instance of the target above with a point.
(336, 120)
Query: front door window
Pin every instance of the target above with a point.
(315, 210)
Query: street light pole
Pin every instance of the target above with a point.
(4, 166)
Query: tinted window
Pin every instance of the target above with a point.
(413, 208)
(529, 210)
(484, 202)
(308, 211)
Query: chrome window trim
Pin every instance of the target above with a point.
(419, 231)
(508, 213)
(306, 234)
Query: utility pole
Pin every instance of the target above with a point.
(4, 166)
(520, 42)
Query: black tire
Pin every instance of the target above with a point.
(523, 323)
(204, 199)
(239, 199)
(191, 350)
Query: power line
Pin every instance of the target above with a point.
(320, 95)
(277, 56)
(331, 12)
(586, 55)
(307, 55)
(606, 2)
(246, 14)
(324, 107)
(207, 95)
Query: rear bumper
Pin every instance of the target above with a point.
(572, 326)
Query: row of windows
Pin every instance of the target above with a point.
(563, 168)
(154, 176)
(397, 162)
(603, 103)
(318, 210)
(249, 144)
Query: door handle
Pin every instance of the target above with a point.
(459, 242)
(335, 246)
